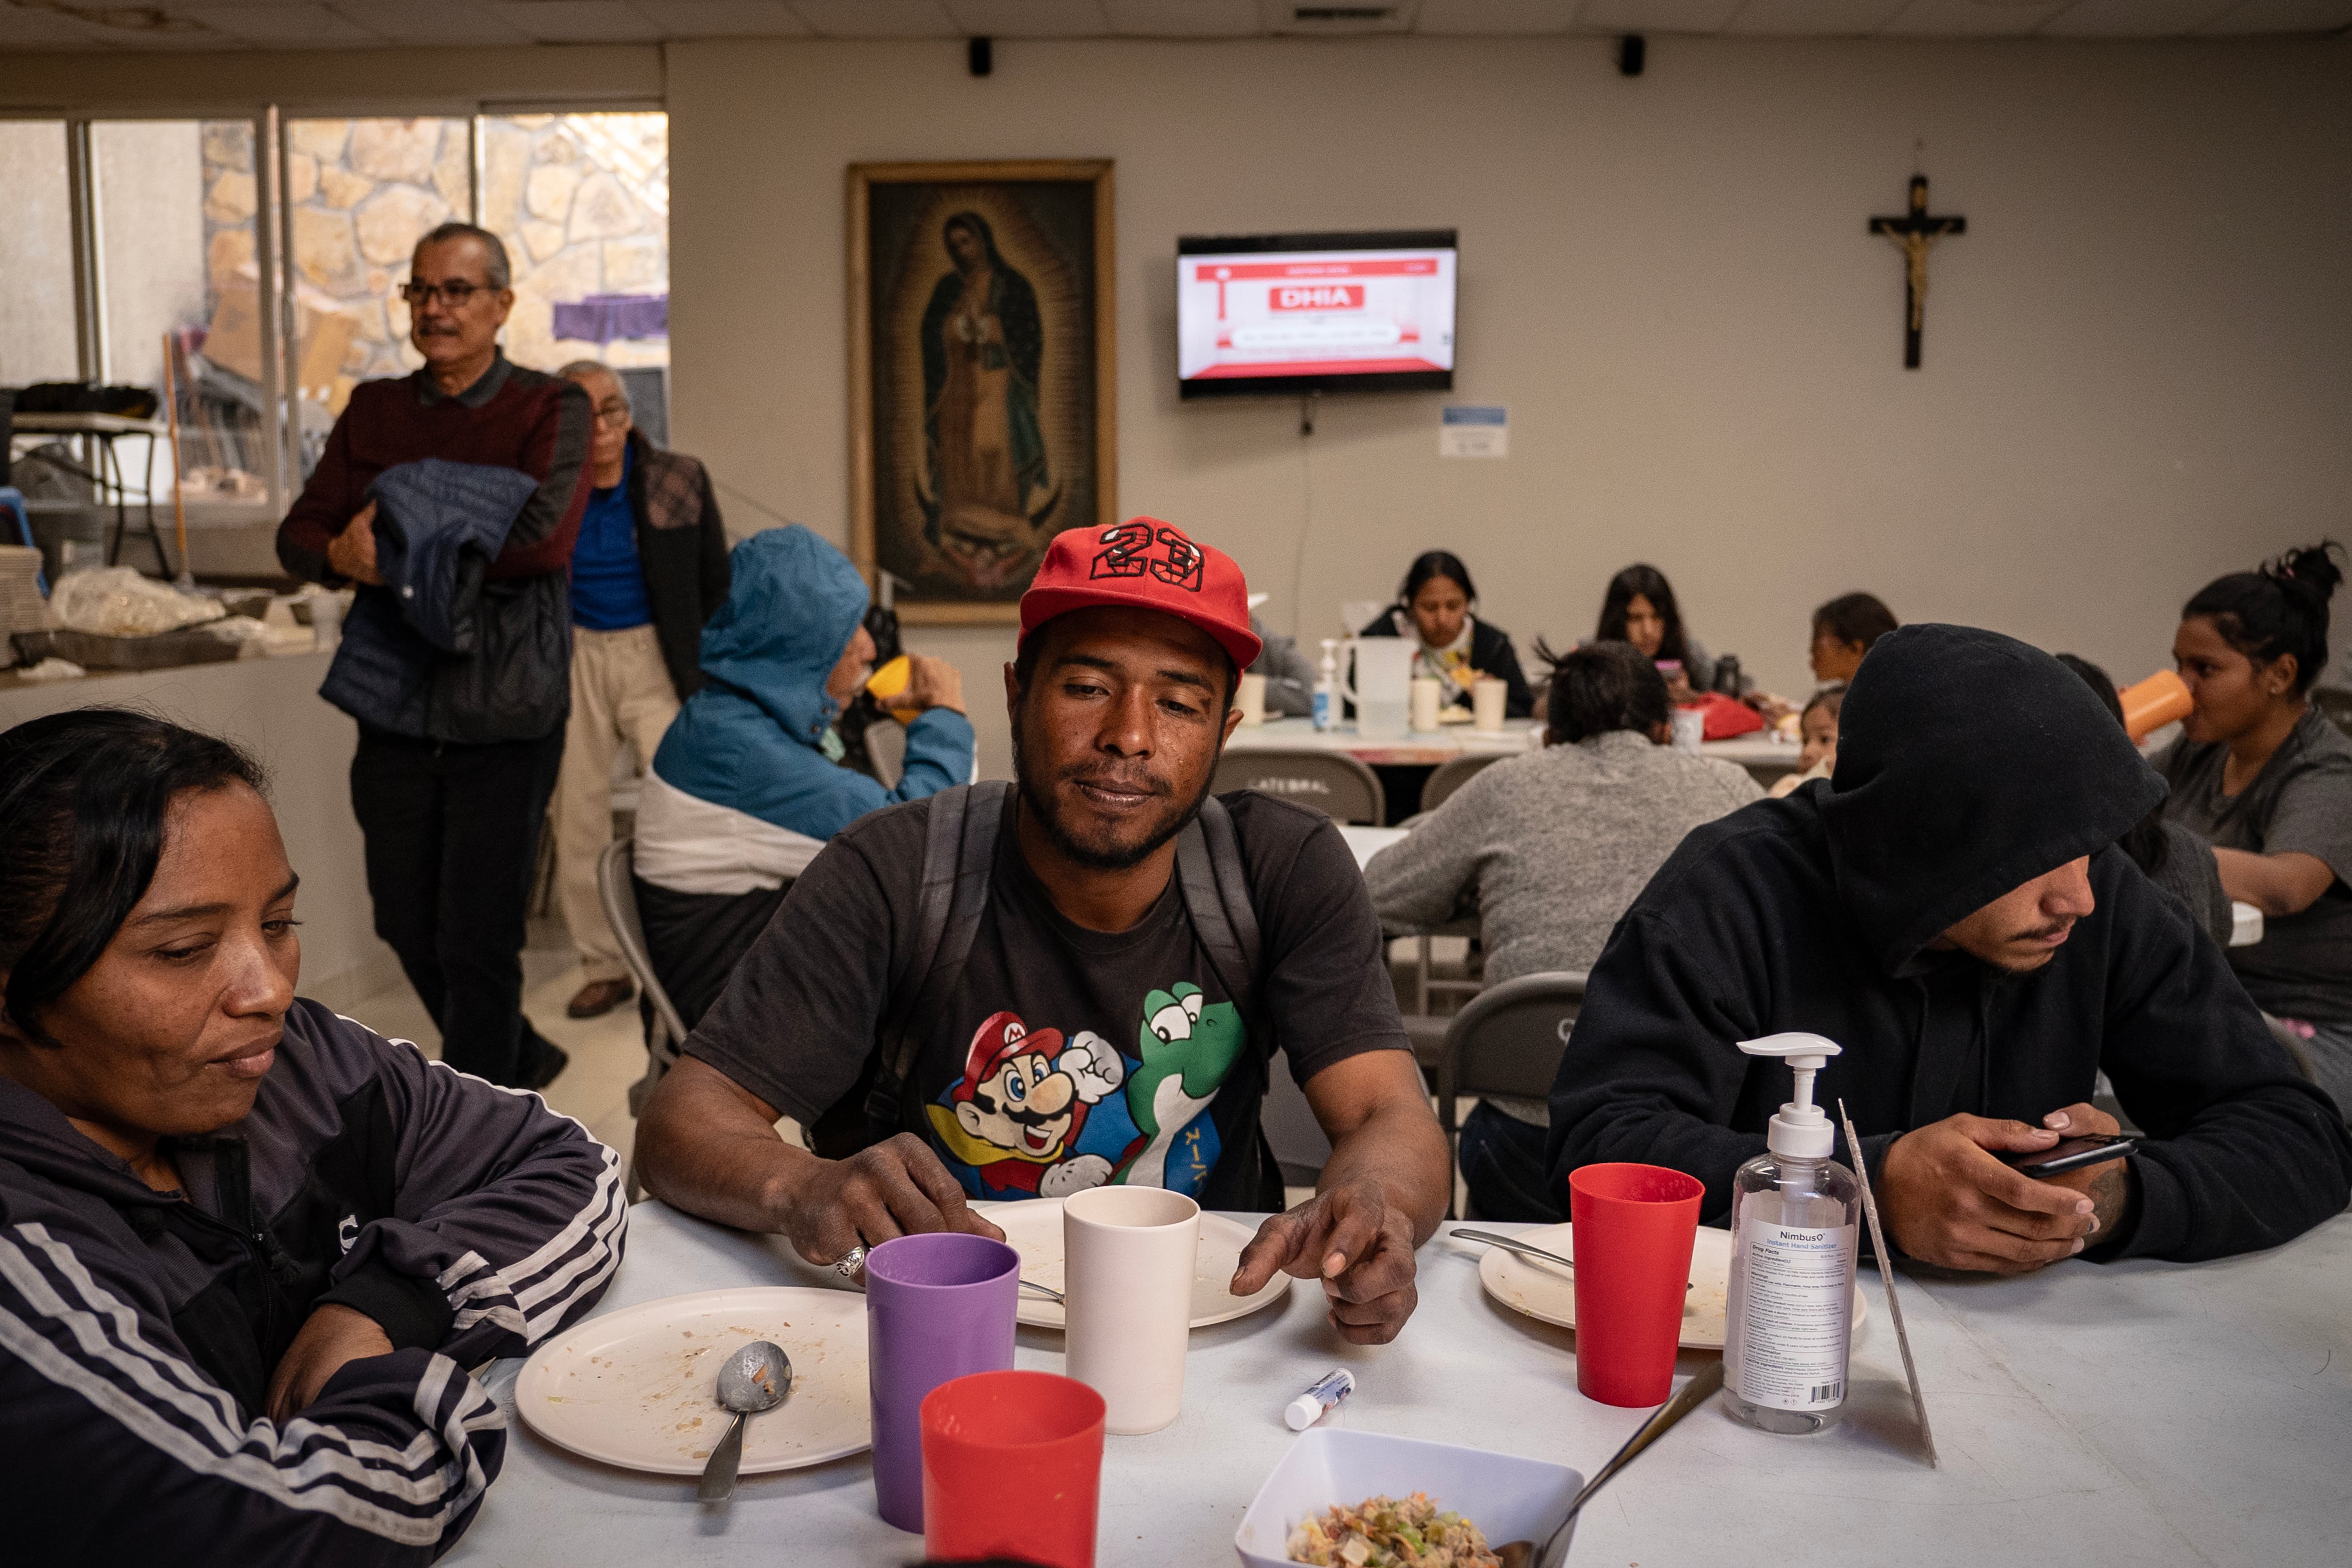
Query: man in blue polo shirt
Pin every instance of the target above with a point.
(649, 569)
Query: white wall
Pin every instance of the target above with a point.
(2136, 359)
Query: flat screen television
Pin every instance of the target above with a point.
(1284, 313)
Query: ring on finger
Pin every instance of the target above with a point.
(850, 1263)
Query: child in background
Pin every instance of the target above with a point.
(1817, 727)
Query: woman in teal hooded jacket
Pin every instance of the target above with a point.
(747, 785)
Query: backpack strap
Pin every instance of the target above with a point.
(958, 857)
(1217, 896)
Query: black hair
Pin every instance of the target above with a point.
(83, 798)
(1855, 618)
(1832, 697)
(2279, 610)
(2144, 840)
(1434, 563)
(1647, 581)
(1601, 687)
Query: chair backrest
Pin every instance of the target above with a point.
(1332, 782)
(618, 894)
(1508, 1039)
(1451, 776)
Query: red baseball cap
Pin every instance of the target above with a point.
(1151, 565)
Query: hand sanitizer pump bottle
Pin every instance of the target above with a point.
(1794, 1213)
(1326, 686)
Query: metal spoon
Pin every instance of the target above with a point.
(1694, 1393)
(1510, 1244)
(1042, 1289)
(755, 1378)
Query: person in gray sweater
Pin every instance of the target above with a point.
(1546, 850)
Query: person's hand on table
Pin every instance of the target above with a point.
(333, 1336)
(1948, 1202)
(1358, 1243)
(931, 683)
(895, 1188)
(2107, 1185)
(352, 551)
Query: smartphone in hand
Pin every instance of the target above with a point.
(2072, 1153)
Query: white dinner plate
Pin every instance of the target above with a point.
(1033, 1228)
(637, 1387)
(1547, 1292)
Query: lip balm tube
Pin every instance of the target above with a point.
(1322, 1396)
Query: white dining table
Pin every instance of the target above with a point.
(1414, 748)
(2139, 1415)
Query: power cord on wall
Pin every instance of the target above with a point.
(1306, 407)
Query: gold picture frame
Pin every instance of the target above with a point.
(983, 375)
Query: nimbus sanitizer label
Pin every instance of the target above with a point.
(1794, 1319)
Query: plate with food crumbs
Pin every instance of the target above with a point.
(638, 1388)
(1033, 1227)
(1547, 1292)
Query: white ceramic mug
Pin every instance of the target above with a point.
(1128, 1256)
(1251, 698)
(1689, 728)
(1489, 698)
(1428, 700)
(1380, 683)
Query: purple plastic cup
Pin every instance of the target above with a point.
(938, 1308)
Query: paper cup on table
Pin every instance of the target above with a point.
(1128, 1271)
(1011, 1469)
(1633, 1229)
(938, 1307)
(1488, 698)
(1251, 698)
(1428, 700)
(1689, 728)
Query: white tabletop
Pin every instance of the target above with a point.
(2139, 1414)
(1366, 842)
(1414, 747)
(85, 425)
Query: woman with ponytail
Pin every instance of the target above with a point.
(2263, 774)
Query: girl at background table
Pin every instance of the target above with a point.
(1844, 630)
(1639, 608)
(2260, 773)
(1817, 727)
(1455, 647)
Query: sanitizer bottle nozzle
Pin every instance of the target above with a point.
(1800, 1132)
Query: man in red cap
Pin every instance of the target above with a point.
(1059, 901)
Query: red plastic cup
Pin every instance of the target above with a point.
(1635, 1225)
(1012, 1468)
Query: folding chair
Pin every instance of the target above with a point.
(1508, 1041)
(1333, 783)
(618, 894)
(1451, 776)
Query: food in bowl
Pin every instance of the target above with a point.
(1390, 1532)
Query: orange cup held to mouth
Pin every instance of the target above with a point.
(2155, 703)
(888, 685)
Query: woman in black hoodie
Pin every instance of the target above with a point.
(1951, 909)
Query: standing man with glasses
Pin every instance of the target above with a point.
(649, 569)
(452, 826)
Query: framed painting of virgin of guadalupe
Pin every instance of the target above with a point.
(981, 379)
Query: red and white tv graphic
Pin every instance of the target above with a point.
(1316, 314)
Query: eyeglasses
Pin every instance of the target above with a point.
(453, 293)
(613, 414)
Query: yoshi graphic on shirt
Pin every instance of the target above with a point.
(1188, 1043)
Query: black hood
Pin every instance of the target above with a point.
(1967, 764)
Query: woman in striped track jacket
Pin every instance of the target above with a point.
(248, 1249)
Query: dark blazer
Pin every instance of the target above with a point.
(682, 549)
(1491, 653)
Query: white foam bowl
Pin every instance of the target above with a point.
(1507, 1497)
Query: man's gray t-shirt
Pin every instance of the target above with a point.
(1064, 1057)
(2300, 802)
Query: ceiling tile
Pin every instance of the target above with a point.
(1655, 15)
(282, 27)
(1494, 18)
(723, 18)
(1029, 18)
(578, 21)
(1972, 18)
(1183, 18)
(2134, 18)
(1282, 17)
(41, 29)
(1813, 18)
(2283, 17)
(878, 18)
(431, 23)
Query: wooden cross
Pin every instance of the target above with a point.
(1913, 234)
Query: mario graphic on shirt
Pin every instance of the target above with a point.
(1012, 1126)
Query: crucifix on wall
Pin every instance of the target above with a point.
(1913, 234)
